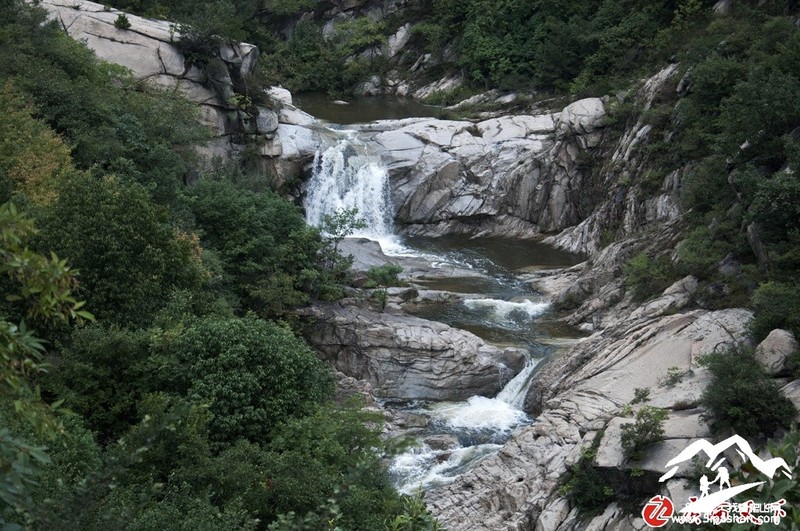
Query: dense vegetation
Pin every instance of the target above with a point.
(150, 377)
(738, 388)
(178, 396)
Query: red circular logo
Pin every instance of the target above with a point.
(658, 511)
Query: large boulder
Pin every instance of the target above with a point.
(511, 175)
(774, 352)
(406, 357)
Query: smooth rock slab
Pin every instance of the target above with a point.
(406, 357)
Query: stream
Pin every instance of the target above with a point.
(496, 305)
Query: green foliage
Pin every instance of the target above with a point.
(646, 277)
(32, 157)
(415, 517)
(129, 256)
(340, 225)
(254, 375)
(647, 429)
(780, 487)
(640, 395)
(167, 389)
(586, 487)
(741, 397)
(308, 62)
(102, 375)
(45, 285)
(122, 22)
(674, 376)
(289, 7)
(384, 276)
(112, 124)
(267, 253)
(776, 305)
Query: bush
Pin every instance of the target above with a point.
(384, 276)
(647, 429)
(646, 277)
(741, 397)
(122, 22)
(586, 487)
(775, 305)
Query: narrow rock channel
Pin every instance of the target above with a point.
(452, 357)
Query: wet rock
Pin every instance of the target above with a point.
(406, 357)
(774, 352)
(442, 442)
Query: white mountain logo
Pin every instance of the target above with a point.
(707, 501)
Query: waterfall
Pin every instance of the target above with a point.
(514, 392)
(345, 176)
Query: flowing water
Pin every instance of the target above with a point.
(497, 306)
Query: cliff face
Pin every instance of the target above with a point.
(150, 50)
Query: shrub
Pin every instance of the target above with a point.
(776, 305)
(586, 487)
(647, 429)
(741, 397)
(122, 22)
(646, 277)
(384, 276)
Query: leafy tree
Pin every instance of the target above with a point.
(253, 373)
(45, 286)
(130, 258)
(267, 253)
(31, 155)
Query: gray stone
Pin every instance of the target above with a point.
(407, 357)
(441, 442)
(792, 392)
(280, 95)
(398, 41)
(266, 121)
(774, 352)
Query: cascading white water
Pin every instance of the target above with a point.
(424, 467)
(345, 176)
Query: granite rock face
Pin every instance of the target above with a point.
(577, 395)
(406, 357)
(774, 352)
(150, 50)
(513, 175)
